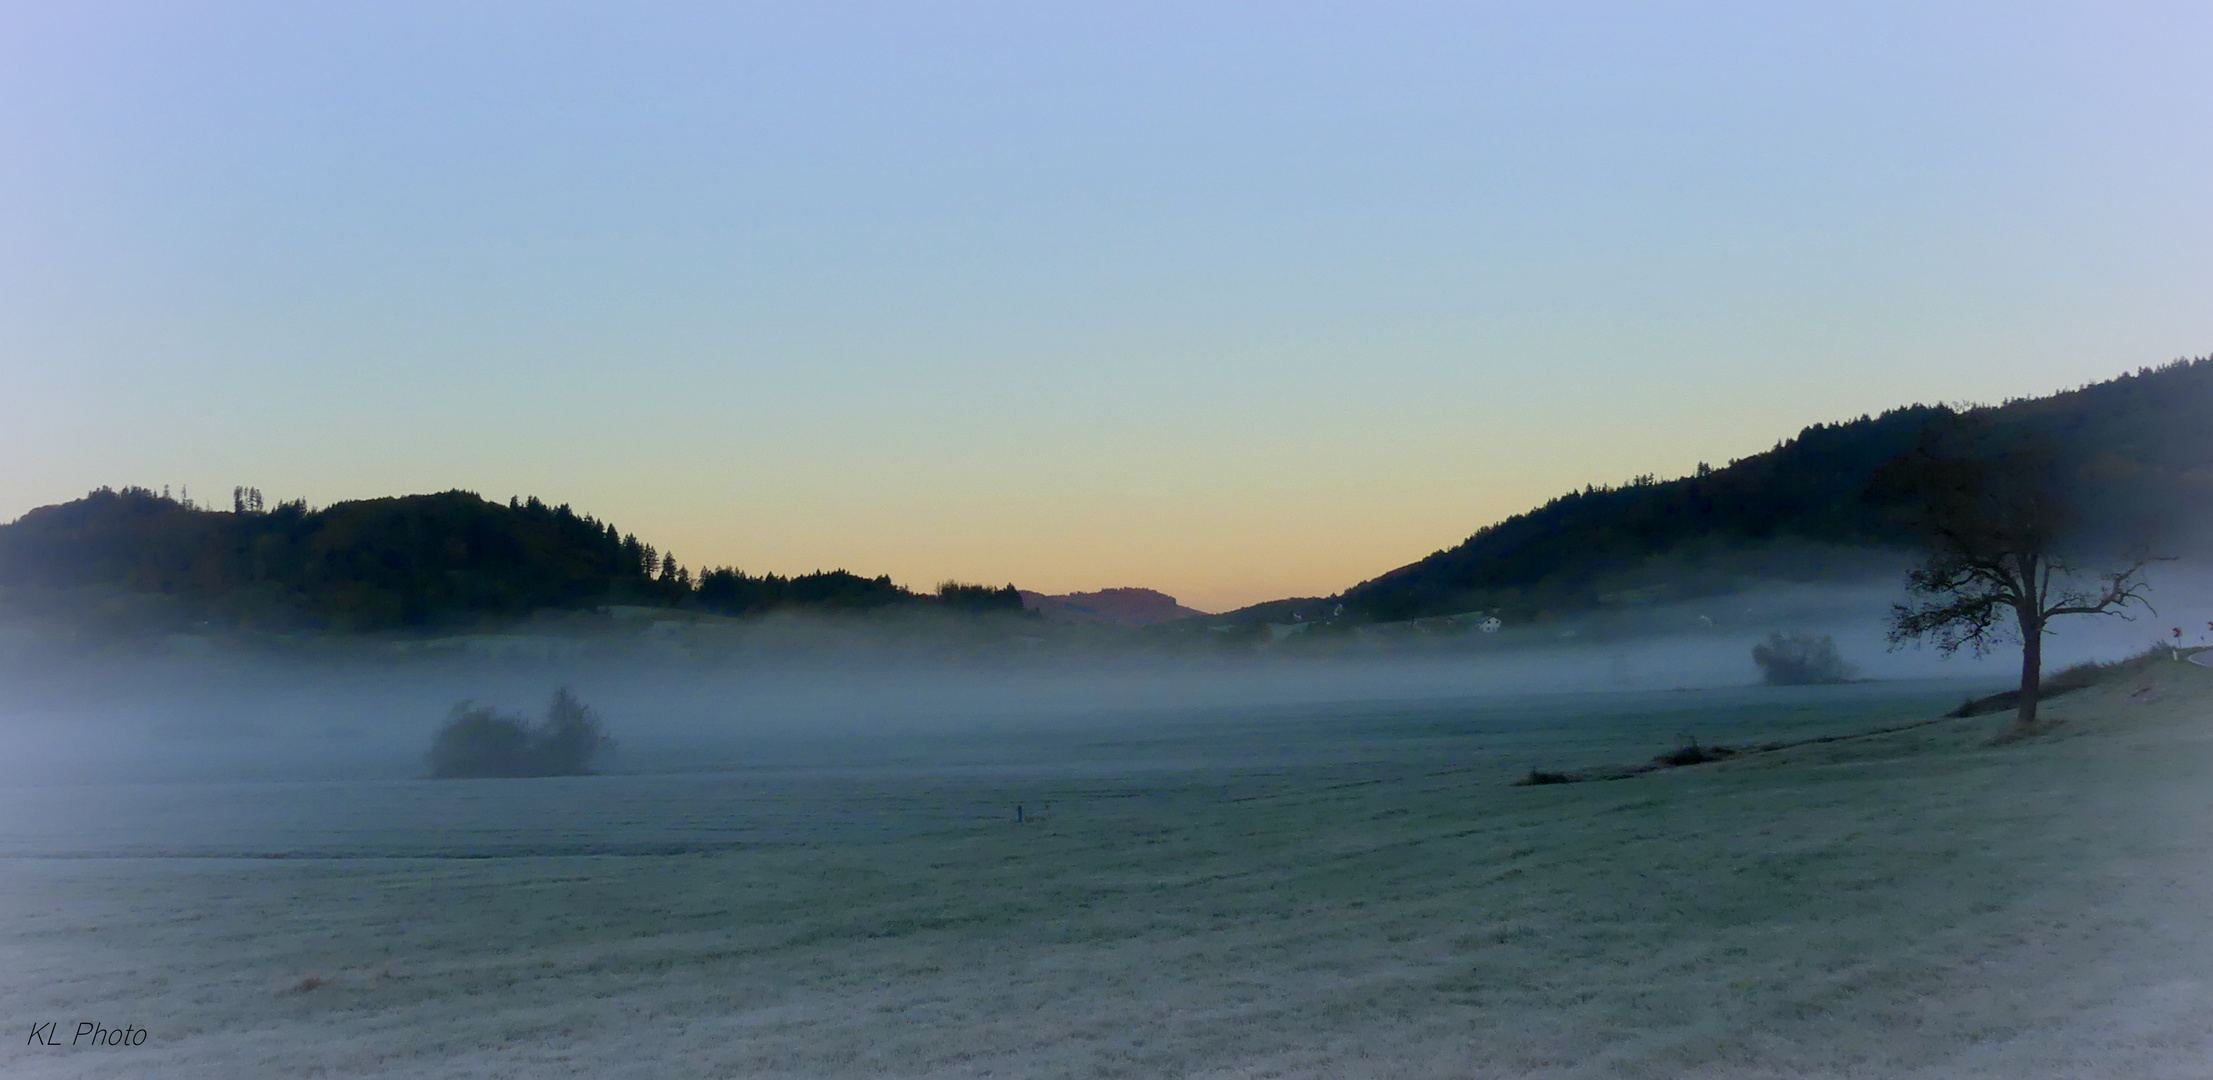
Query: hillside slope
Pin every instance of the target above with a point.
(2139, 448)
(368, 564)
(378, 564)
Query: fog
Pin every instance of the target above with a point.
(864, 848)
(861, 693)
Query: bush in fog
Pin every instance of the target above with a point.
(1800, 660)
(570, 737)
(477, 741)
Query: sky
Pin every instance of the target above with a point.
(1232, 301)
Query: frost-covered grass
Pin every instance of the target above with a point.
(1351, 891)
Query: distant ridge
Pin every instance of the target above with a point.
(1120, 607)
(405, 562)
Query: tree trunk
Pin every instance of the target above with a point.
(2032, 670)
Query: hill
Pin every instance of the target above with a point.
(1119, 607)
(2138, 450)
(378, 564)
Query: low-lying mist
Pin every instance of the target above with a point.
(832, 693)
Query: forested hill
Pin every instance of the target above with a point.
(412, 561)
(2140, 447)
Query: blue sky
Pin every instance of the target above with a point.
(1232, 301)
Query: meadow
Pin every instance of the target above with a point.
(1340, 889)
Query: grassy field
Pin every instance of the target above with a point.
(1349, 890)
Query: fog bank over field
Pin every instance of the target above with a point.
(1350, 891)
(684, 695)
(889, 847)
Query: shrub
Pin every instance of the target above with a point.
(1691, 753)
(1800, 660)
(478, 742)
(1538, 777)
(570, 738)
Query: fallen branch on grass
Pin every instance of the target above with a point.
(1692, 753)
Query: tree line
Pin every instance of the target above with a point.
(2133, 453)
(402, 562)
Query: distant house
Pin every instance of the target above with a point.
(1479, 620)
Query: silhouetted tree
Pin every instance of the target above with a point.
(1995, 514)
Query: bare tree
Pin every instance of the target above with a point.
(1996, 520)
